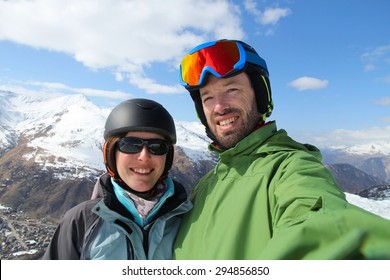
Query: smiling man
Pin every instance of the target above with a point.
(269, 197)
(230, 108)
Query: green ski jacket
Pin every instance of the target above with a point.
(271, 197)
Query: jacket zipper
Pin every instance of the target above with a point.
(130, 249)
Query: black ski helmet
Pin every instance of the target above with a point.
(141, 115)
(258, 75)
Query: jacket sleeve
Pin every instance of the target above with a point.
(68, 238)
(313, 220)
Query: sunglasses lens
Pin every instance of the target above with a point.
(219, 59)
(157, 147)
(132, 145)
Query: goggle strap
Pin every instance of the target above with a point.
(202, 46)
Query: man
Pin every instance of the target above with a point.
(269, 197)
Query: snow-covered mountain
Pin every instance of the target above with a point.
(67, 131)
(63, 135)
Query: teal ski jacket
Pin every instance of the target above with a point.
(104, 229)
(271, 197)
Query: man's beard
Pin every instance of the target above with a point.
(231, 138)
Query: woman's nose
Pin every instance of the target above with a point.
(144, 153)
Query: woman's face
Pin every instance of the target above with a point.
(142, 170)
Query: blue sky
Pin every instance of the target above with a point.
(329, 61)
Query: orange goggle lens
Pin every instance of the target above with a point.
(218, 58)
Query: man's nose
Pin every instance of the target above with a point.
(221, 105)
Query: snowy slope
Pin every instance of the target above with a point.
(380, 147)
(378, 207)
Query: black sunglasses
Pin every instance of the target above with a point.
(134, 145)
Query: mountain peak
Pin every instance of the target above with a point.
(71, 127)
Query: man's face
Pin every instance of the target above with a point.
(230, 108)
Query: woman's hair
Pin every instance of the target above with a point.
(110, 150)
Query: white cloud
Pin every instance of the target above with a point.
(273, 15)
(386, 119)
(23, 90)
(343, 138)
(376, 56)
(376, 53)
(385, 79)
(251, 7)
(385, 101)
(124, 36)
(269, 16)
(34, 88)
(308, 83)
(149, 86)
(369, 67)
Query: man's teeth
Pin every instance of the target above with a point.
(227, 121)
(143, 171)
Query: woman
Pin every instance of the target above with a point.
(139, 209)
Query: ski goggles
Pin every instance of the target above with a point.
(219, 58)
(134, 145)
